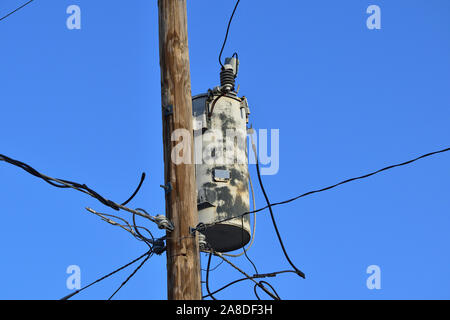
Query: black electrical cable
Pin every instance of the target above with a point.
(14, 11)
(245, 251)
(214, 104)
(66, 184)
(336, 185)
(136, 191)
(248, 276)
(228, 30)
(216, 267)
(145, 239)
(363, 177)
(59, 183)
(158, 246)
(141, 237)
(149, 255)
(268, 275)
(256, 293)
(300, 273)
(107, 276)
(207, 277)
(226, 286)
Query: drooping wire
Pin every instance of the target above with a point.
(364, 176)
(331, 187)
(268, 275)
(246, 275)
(147, 241)
(14, 11)
(226, 34)
(106, 276)
(155, 246)
(280, 240)
(215, 268)
(59, 183)
(136, 191)
(245, 251)
(321, 190)
(65, 184)
(207, 277)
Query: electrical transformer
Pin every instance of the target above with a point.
(220, 138)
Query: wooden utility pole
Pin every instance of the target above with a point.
(183, 257)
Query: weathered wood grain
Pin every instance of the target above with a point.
(183, 260)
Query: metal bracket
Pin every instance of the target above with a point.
(168, 111)
(245, 106)
(167, 188)
(200, 228)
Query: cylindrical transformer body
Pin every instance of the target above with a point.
(220, 139)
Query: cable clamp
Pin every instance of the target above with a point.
(164, 223)
(159, 246)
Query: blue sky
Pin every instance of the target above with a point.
(84, 105)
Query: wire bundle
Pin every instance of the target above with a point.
(156, 246)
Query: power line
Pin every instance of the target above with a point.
(246, 275)
(65, 184)
(136, 191)
(207, 277)
(106, 276)
(228, 30)
(155, 245)
(260, 284)
(280, 240)
(203, 226)
(12, 12)
(300, 273)
(149, 255)
(364, 176)
(215, 268)
(269, 206)
(258, 276)
(149, 242)
(245, 250)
